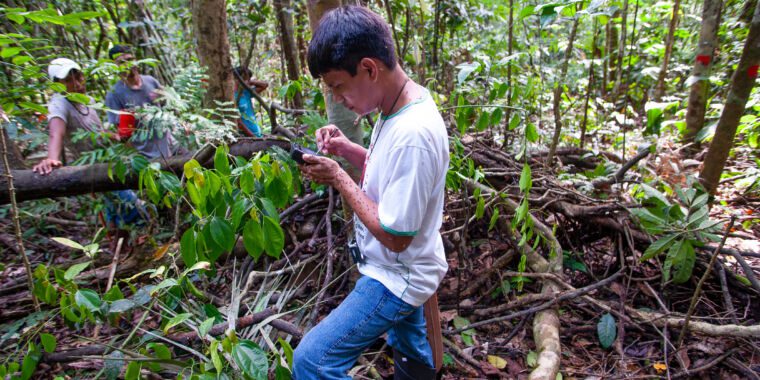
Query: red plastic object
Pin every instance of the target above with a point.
(126, 125)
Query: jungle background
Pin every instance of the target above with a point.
(600, 215)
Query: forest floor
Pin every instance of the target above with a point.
(602, 247)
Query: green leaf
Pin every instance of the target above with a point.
(531, 360)
(205, 327)
(68, 243)
(251, 359)
(606, 330)
(239, 209)
(120, 306)
(215, 359)
(526, 181)
(481, 207)
(483, 121)
(48, 342)
(253, 239)
(133, 371)
(88, 299)
(658, 246)
(515, 122)
(75, 270)
(10, 52)
(21, 59)
(274, 240)
(494, 219)
(29, 364)
(187, 248)
(113, 365)
(221, 233)
(287, 349)
(531, 133)
(176, 320)
(277, 191)
(683, 262)
(247, 181)
(78, 98)
(465, 69)
(221, 162)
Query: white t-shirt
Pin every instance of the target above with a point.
(405, 173)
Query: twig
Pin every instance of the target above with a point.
(298, 205)
(14, 213)
(741, 367)
(748, 272)
(620, 174)
(330, 259)
(728, 303)
(243, 322)
(561, 297)
(111, 275)
(706, 366)
(698, 290)
(458, 351)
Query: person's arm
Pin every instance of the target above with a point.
(327, 171)
(258, 85)
(112, 103)
(331, 140)
(55, 147)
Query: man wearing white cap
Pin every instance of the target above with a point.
(65, 117)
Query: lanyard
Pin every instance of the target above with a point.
(379, 130)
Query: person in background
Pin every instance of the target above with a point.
(131, 91)
(66, 117)
(243, 99)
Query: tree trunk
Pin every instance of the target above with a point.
(698, 94)
(510, 47)
(285, 24)
(15, 158)
(76, 180)
(337, 114)
(590, 87)
(621, 51)
(558, 91)
(210, 27)
(741, 85)
(660, 89)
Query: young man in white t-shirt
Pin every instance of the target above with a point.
(398, 203)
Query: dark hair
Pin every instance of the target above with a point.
(345, 36)
(242, 71)
(118, 49)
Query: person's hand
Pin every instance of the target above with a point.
(46, 166)
(259, 85)
(331, 140)
(321, 170)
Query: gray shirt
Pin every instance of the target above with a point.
(150, 142)
(77, 117)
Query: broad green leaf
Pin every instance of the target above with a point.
(48, 342)
(190, 168)
(494, 219)
(465, 69)
(166, 283)
(88, 299)
(247, 182)
(531, 360)
(187, 247)
(68, 243)
(251, 359)
(10, 52)
(274, 240)
(112, 367)
(29, 364)
(531, 133)
(683, 263)
(253, 239)
(120, 306)
(205, 327)
(277, 191)
(75, 270)
(526, 181)
(658, 246)
(133, 371)
(483, 121)
(221, 162)
(221, 233)
(606, 330)
(176, 320)
(215, 359)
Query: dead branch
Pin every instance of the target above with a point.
(75, 180)
(242, 322)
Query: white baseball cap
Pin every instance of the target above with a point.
(59, 68)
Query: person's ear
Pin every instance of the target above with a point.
(371, 67)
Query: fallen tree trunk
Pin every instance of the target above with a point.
(77, 180)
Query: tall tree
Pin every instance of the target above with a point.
(698, 94)
(284, 11)
(621, 50)
(337, 114)
(558, 90)
(210, 27)
(742, 82)
(660, 88)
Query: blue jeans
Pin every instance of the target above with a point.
(332, 347)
